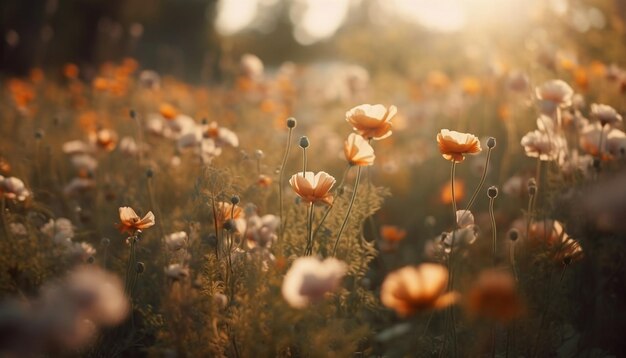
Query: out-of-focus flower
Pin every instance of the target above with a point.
(79, 185)
(613, 141)
(227, 211)
(251, 66)
(60, 230)
(168, 111)
(445, 194)
(176, 241)
(605, 114)
(81, 251)
(391, 237)
(128, 146)
(13, 188)
(550, 234)
(576, 163)
(437, 80)
(464, 218)
(313, 188)
(556, 92)
(261, 230)
(414, 289)
(309, 280)
(75, 147)
(105, 139)
(84, 163)
(222, 136)
(71, 71)
(150, 80)
(518, 81)
(177, 272)
(371, 121)
(455, 145)
(132, 223)
(358, 151)
(494, 296)
(514, 186)
(471, 86)
(543, 145)
(264, 181)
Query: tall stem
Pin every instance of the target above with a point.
(281, 180)
(345, 220)
(330, 207)
(309, 242)
(481, 183)
(493, 229)
(452, 170)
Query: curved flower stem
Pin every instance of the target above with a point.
(130, 267)
(480, 185)
(281, 180)
(452, 170)
(309, 242)
(493, 229)
(330, 207)
(303, 161)
(345, 220)
(513, 262)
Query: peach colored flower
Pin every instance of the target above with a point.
(358, 151)
(454, 145)
(392, 233)
(605, 114)
(132, 223)
(105, 139)
(371, 121)
(417, 288)
(227, 211)
(313, 188)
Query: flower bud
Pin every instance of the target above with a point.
(259, 154)
(492, 192)
(513, 234)
(39, 134)
(91, 259)
(229, 225)
(491, 142)
(105, 241)
(140, 267)
(149, 173)
(234, 199)
(291, 122)
(304, 142)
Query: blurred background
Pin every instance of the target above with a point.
(191, 37)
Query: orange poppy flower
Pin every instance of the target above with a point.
(132, 223)
(264, 181)
(313, 188)
(417, 288)
(371, 121)
(168, 111)
(105, 139)
(392, 233)
(494, 296)
(71, 71)
(454, 145)
(358, 151)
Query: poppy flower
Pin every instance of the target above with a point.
(557, 92)
(494, 296)
(228, 211)
(543, 145)
(358, 151)
(454, 145)
(605, 114)
(309, 280)
(313, 188)
(132, 223)
(371, 121)
(417, 288)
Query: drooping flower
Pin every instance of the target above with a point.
(313, 188)
(309, 280)
(605, 114)
(494, 296)
(413, 289)
(358, 151)
(371, 121)
(132, 223)
(455, 145)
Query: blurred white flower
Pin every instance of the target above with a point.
(557, 92)
(61, 230)
(13, 188)
(176, 241)
(261, 231)
(605, 114)
(177, 272)
(309, 279)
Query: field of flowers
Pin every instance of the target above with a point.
(416, 205)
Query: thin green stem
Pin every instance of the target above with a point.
(481, 183)
(452, 170)
(309, 243)
(345, 220)
(281, 180)
(303, 162)
(330, 207)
